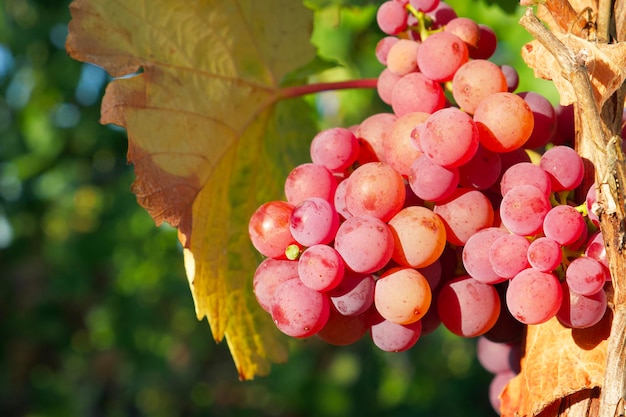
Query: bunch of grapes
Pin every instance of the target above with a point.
(456, 207)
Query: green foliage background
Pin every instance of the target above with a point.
(96, 314)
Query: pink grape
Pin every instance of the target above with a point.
(476, 80)
(468, 308)
(581, 311)
(393, 337)
(364, 243)
(498, 357)
(269, 230)
(595, 249)
(425, 5)
(372, 131)
(449, 137)
(544, 116)
(440, 56)
(464, 213)
(299, 311)
(466, 29)
(432, 182)
(512, 77)
(475, 255)
(309, 180)
(508, 255)
(336, 148)
(339, 200)
(487, 43)
(398, 148)
(384, 86)
(270, 274)
(313, 221)
(321, 268)
(523, 209)
(441, 14)
(375, 189)
(419, 237)
(564, 224)
(564, 166)
(391, 17)
(414, 92)
(402, 57)
(544, 254)
(585, 276)
(342, 330)
(534, 297)
(354, 295)
(402, 295)
(526, 173)
(504, 121)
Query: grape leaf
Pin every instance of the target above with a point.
(197, 91)
(557, 362)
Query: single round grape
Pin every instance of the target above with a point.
(440, 56)
(581, 311)
(498, 357)
(425, 5)
(466, 29)
(393, 337)
(449, 137)
(487, 43)
(468, 308)
(398, 147)
(564, 224)
(526, 173)
(419, 237)
(512, 77)
(384, 86)
(464, 213)
(372, 131)
(597, 250)
(544, 116)
(474, 81)
(336, 149)
(313, 221)
(375, 189)
(544, 254)
(391, 17)
(534, 297)
(523, 209)
(364, 243)
(342, 330)
(432, 182)
(269, 230)
(402, 295)
(402, 57)
(321, 268)
(564, 166)
(504, 120)
(354, 295)
(585, 276)
(309, 180)
(415, 92)
(299, 311)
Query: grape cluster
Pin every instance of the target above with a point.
(456, 207)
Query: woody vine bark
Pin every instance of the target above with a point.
(598, 128)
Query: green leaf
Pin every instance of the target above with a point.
(198, 99)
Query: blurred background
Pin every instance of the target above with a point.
(96, 317)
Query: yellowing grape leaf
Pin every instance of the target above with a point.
(558, 362)
(197, 96)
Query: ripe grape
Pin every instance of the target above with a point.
(564, 166)
(313, 221)
(335, 148)
(364, 243)
(432, 182)
(321, 268)
(342, 330)
(466, 29)
(269, 229)
(309, 180)
(504, 121)
(544, 116)
(534, 297)
(467, 307)
(372, 131)
(354, 295)
(398, 147)
(402, 295)
(393, 337)
(523, 209)
(386, 82)
(585, 276)
(419, 237)
(498, 357)
(299, 311)
(581, 311)
(476, 80)
(482, 171)
(449, 137)
(525, 173)
(508, 255)
(383, 46)
(402, 57)
(375, 189)
(487, 43)
(464, 213)
(475, 255)
(409, 87)
(270, 274)
(544, 254)
(440, 56)
(564, 224)
(391, 17)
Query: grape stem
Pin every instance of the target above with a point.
(302, 90)
(598, 141)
